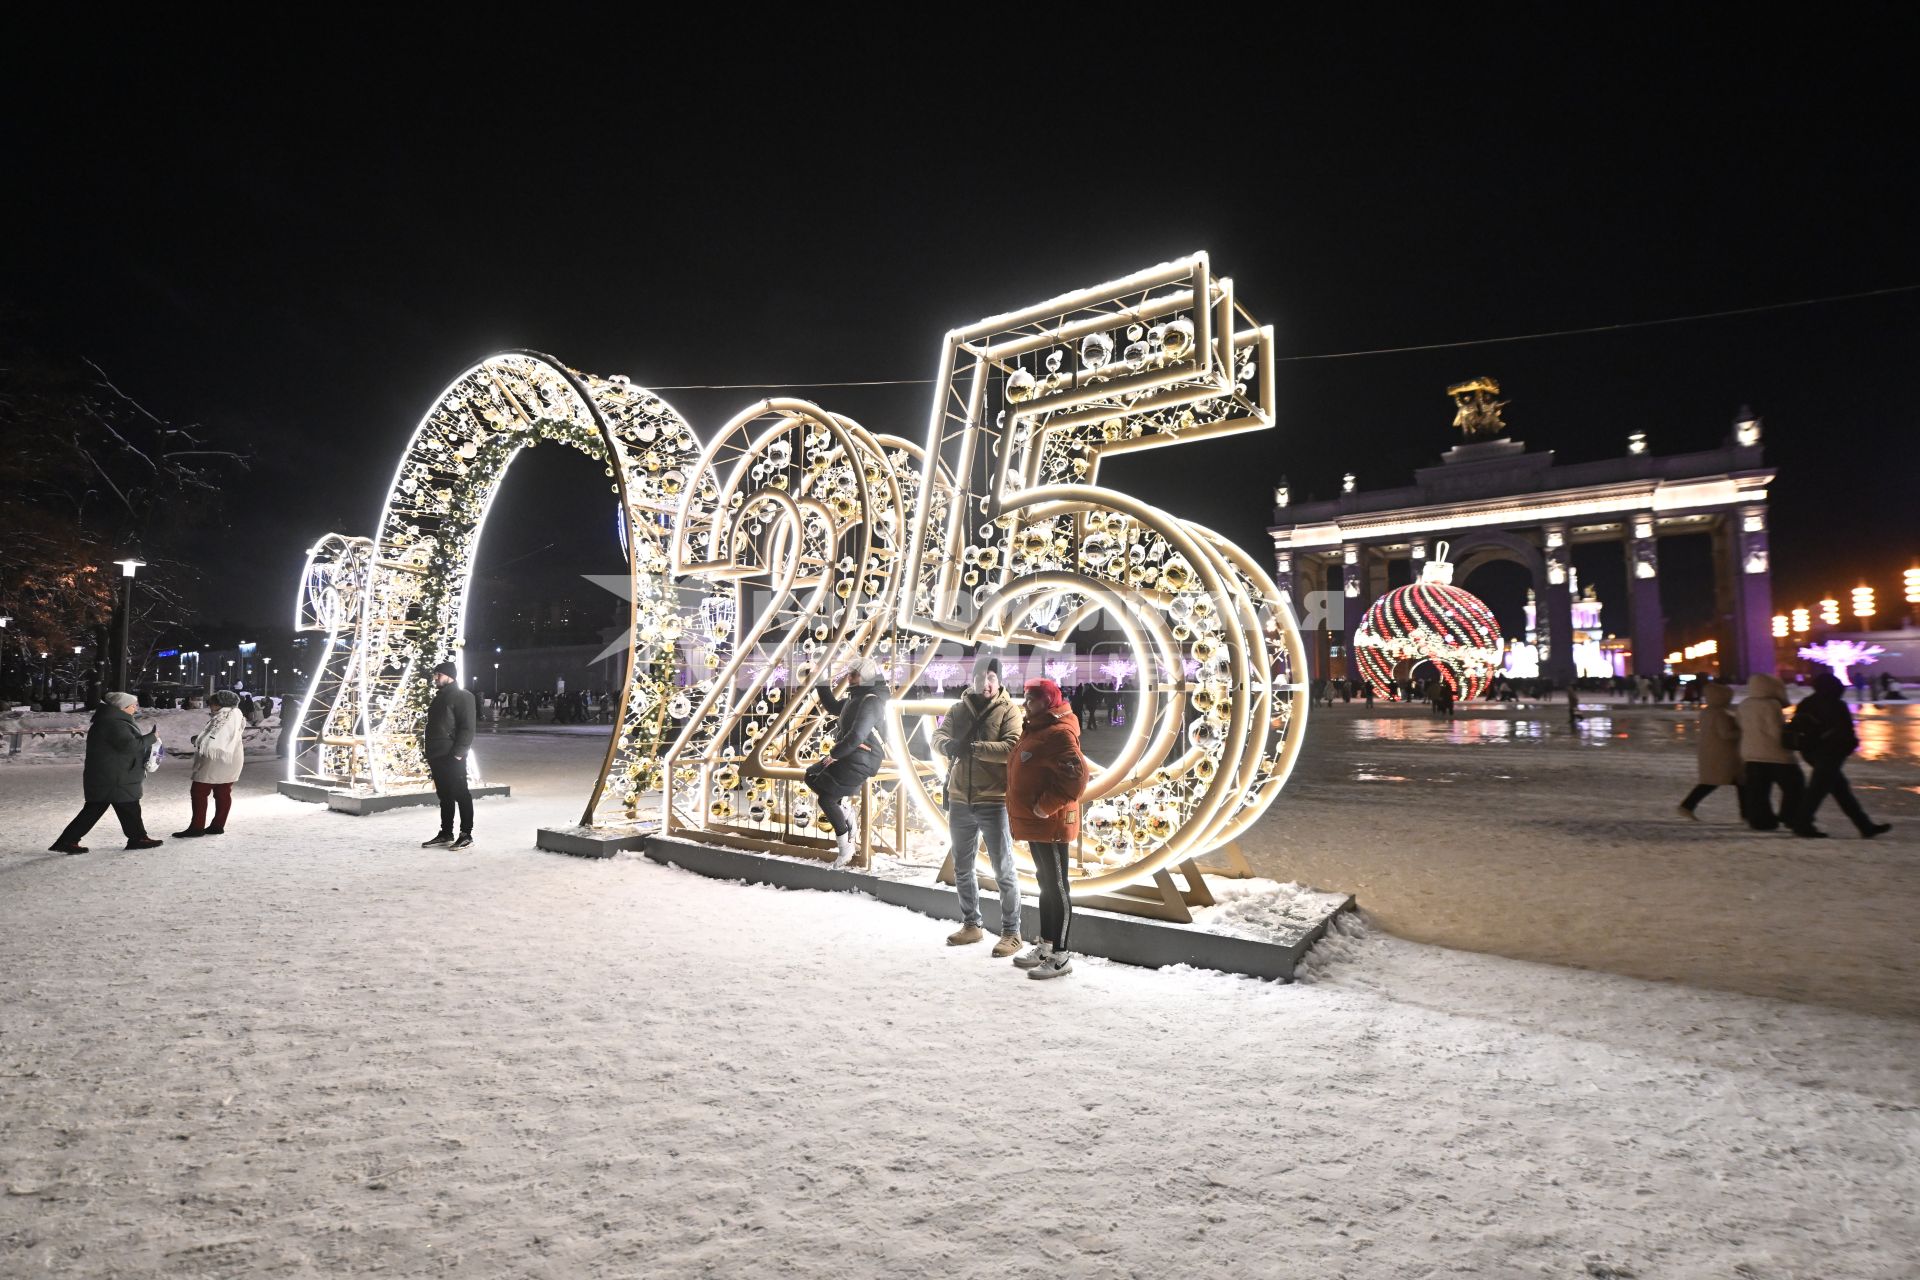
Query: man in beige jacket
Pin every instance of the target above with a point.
(1762, 717)
(975, 738)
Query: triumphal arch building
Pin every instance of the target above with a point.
(1492, 498)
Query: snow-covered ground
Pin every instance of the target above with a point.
(309, 1047)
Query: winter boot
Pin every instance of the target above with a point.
(66, 848)
(967, 935)
(1008, 944)
(145, 842)
(191, 833)
(843, 849)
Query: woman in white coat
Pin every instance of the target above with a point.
(218, 754)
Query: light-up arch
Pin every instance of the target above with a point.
(408, 585)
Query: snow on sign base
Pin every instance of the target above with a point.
(1266, 950)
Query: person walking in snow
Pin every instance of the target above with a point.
(448, 737)
(115, 773)
(1823, 729)
(976, 738)
(1768, 763)
(1716, 750)
(857, 752)
(218, 754)
(1046, 776)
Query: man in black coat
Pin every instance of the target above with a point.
(449, 734)
(1823, 729)
(115, 774)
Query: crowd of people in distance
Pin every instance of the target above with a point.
(582, 706)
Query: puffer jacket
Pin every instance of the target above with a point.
(977, 737)
(1762, 715)
(450, 719)
(218, 752)
(117, 752)
(1823, 724)
(1719, 746)
(1046, 771)
(859, 744)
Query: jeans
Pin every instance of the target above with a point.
(1761, 779)
(128, 811)
(968, 823)
(450, 784)
(1056, 902)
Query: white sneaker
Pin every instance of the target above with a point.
(1053, 966)
(1033, 955)
(843, 849)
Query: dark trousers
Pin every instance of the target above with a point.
(128, 811)
(833, 802)
(1761, 780)
(1828, 779)
(222, 793)
(1056, 903)
(450, 784)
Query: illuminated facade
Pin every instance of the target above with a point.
(1495, 500)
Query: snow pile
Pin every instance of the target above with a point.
(1264, 910)
(62, 735)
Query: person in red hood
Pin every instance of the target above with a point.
(1046, 775)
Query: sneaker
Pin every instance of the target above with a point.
(1008, 944)
(1033, 955)
(967, 935)
(188, 834)
(145, 842)
(464, 842)
(1052, 967)
(1876, 829)
(66, 848)
(1689, 814)
(445, 837)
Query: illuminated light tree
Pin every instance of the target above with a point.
(942, 674)
(1430, 621)
(1119, 670)
(1841, 656)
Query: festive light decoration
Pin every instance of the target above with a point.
(1023, 544)
(401, 595)
(820, 542)
(1830, 613)
(1841, 656)
(1911, 581)
(1802, 622)
(1429, 621)
(1779, 626)
(1863, 606)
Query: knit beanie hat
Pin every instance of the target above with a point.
(866, 671)
(446, 669)
(124, 701)
(984, 664)
(1050, 693)
(226, 698)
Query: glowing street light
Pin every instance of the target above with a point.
(1911, 580)
(1829, 613)
(1779, 626)
(1802, 622)
(1863, 602)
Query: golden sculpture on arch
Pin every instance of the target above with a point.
(1478, 415)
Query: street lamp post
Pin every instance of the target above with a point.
(4, 622)
(127, 568)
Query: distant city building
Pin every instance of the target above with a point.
(1492, 499)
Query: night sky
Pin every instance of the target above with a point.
(304, 258)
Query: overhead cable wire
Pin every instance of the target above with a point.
(1374, 351)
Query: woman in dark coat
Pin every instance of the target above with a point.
(115, 773)
(1046, 776)
(857, 752)
(1823, 728)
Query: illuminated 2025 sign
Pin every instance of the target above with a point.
(814, 541)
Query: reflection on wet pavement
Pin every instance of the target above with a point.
(1886, 733)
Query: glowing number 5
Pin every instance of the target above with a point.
(1024, 545)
